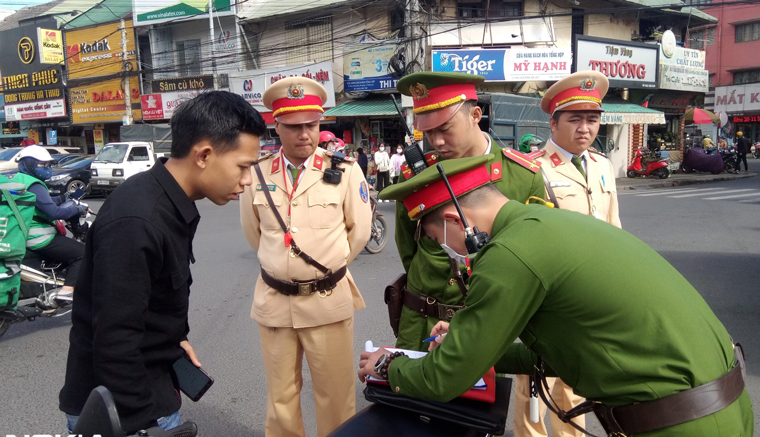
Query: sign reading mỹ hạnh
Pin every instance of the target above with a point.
(632, 118)
(506, 65)
(626, 64)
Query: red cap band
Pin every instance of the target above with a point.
(437, 194)
(440, 97)
(574, 95)
(307, 103)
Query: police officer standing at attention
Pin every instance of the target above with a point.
(446, 110)
(579, 180)
(653, 360)
(307, 215)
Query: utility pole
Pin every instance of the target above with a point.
(127, 88)
(211, 39)
(411, 17)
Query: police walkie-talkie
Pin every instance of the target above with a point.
(474, 240)
(412, 153)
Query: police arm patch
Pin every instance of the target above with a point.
(364, 191)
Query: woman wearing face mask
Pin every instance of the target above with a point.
(44, 240)
(397, 160)
(383, 163)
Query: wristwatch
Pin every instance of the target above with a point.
(384, 362)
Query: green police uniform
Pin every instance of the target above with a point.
(426, 264)
(610, 338)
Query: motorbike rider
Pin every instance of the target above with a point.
(529, 143)
(707, 142)
(44, 240)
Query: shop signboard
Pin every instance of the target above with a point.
(681, 69)
(251, 84)
(51, 46)
(161, 106)
(25, 79)
(52, 137)
(2, 107)
(103, 102)
(506, 65)
(632, 118)
(626, 64)
(159, 11)
(35, 110)
(96, 51)
(746, 119)
(97, 138)
(738, 99)
(180, 84)
(365, 67)
(11, 128)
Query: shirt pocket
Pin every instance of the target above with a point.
(324, 209)
(266, 213)
(605, 202)
(568, 194)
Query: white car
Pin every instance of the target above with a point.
(8, 156)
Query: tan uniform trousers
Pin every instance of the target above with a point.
(330, 354)
(564, 397)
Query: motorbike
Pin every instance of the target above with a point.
(379, 236)
(41, 281)
(697, 159)
(100, 418)
(755, 150)
(648, 164)
(730, 157)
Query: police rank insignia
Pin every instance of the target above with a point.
(588, 84)
(419, 91)
(295, 91)
(364, 191)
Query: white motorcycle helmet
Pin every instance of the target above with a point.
(37, 152)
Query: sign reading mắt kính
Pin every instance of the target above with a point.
(626, 64)
(738, 99)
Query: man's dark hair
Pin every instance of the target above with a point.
(216, 116)
(556, 116)
(467, 105)
(360, 151)
(476, 198)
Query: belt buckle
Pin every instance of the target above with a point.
(304, 288)
(445, 312)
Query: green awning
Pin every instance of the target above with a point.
(618, 111)
(363, 108)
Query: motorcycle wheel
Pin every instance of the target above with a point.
(661, 173)
(379, 236)
(730, 166)
(686, 168)
(4, 325)
(631, 173)
(756, 154)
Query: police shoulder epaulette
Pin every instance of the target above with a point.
(431, 158)
(593, 152)
(265, 156)
(523, 160)
(537, 154)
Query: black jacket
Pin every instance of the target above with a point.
(131, 300)
(742, 146)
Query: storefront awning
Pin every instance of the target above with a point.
(622, 112)
(363, 108)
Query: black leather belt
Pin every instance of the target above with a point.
(429, 306)
(305, 288)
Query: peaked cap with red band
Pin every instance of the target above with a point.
(581, 91)
(437, 96)
(295, 100)
(426, 191)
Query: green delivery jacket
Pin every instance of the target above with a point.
(632, 331)
(426, 263)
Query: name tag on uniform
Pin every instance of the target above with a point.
(270, 187)
(559, 184)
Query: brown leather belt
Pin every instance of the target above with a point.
(677, 408)
(305, 288)
(429, 306)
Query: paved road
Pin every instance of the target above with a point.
(711, 236)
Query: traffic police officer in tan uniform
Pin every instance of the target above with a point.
(578, 179)
(305, 298)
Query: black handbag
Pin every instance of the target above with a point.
(470, 414)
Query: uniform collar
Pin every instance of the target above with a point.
(490, 142)
(289, 164)
(174, 191)
(569, 155)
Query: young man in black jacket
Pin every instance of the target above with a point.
(129, 323)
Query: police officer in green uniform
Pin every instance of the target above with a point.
(445, 108)
(650, 359)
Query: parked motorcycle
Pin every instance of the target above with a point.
(755, 150)
(695, 158)
(648, 164)
(379, 236)
(730, 157)
(41, 281)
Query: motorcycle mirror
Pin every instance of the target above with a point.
(99, 416)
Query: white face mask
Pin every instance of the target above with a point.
(382, 148)
(399, 151)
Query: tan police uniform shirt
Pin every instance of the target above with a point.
(331, 223)
(597, 197)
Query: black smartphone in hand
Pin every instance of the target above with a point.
(193, 381)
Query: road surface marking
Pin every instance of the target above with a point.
(723, 191)
(732, 197)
